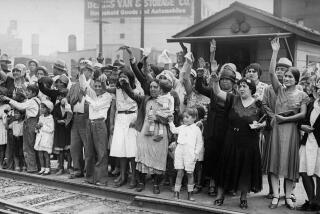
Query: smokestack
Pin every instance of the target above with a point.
(197, 11)
(277, 11)
(35, 45)
(72, 43)
(13, 27)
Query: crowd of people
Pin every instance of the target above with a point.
(188, 124)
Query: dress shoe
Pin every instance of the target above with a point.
(275, 204)
(140, 187)
(190, 196)
(60, 172)
(156, 189)
(46, 171)
(243, 204)
(176, 195)
(120, 183)
(102, 184)
(219, 202)
(77, 175)
(289, 204)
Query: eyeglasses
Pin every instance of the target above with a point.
(251, 71)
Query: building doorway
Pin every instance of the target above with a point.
(241, 53)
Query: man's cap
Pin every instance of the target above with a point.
(284, 62)
(60, 65)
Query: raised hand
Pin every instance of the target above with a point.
(103, 78)
(275, 44)
(213, 45)
(189, 57)
(201, 62)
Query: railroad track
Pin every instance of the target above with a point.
(25, 197)
(44, 194)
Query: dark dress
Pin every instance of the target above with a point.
(239, 166)
(214, 130)
(61, 131)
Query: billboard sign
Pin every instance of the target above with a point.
(132, 8)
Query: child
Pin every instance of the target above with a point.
(167, 102)
(4, 109)
(17, 131)
(188, 149)
(62, 115)
(31, 108)
(199, 165)
(44, 139)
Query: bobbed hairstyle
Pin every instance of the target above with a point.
(250, 84)
(193, 112)
(125, 71)
(33, 88)
(295, 72)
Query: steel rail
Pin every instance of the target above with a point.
(137, 199)
(9, 207)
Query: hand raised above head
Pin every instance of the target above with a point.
(214, 77)
(275, 44)
(213, 45)
(103, 78)
(189, 57)
(214, 66)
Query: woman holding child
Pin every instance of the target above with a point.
(151, 157)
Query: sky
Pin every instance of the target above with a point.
(54, 20)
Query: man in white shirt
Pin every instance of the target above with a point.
(96, 156)
(76, 99)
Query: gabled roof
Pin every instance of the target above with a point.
(283, 23)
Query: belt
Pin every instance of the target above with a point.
(126, 112)
(77, 113)
(97, 120)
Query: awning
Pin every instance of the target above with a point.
(227, 37)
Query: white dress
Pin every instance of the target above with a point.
(310, 153)
(44, 139)
(124, 138)
(3, 121)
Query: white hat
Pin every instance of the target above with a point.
(20, 67)
(285, 62)
(48, 104)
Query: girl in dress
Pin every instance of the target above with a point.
(4, 109)
(17, 131)
(44, 139)
(124, 137)
(62, 115)
(188, 149)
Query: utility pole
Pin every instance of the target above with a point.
(142, 25)
(100, 55)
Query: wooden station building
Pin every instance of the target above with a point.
(243, 34)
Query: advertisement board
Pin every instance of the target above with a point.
(132, 8)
